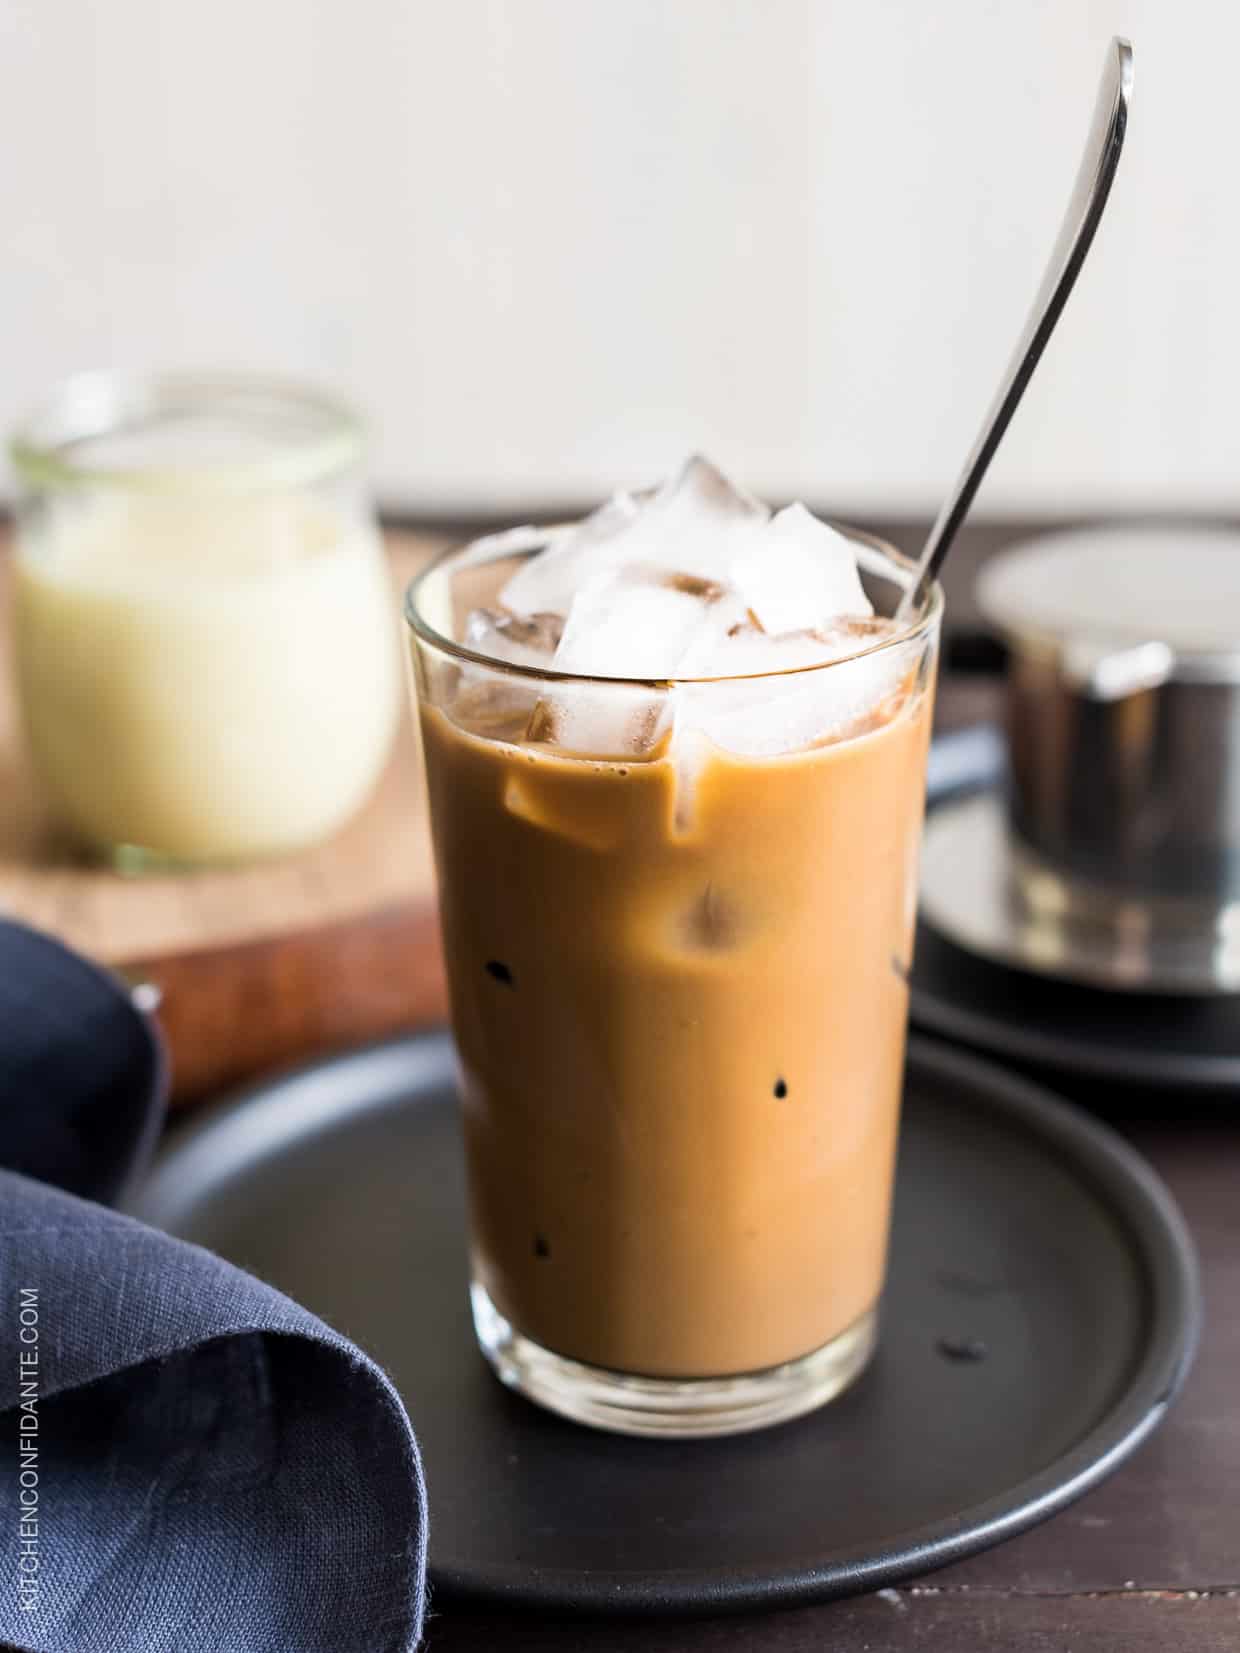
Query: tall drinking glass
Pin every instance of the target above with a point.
(678, 976)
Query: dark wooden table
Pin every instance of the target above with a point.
(1150, 1560)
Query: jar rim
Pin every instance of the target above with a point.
(310, 434)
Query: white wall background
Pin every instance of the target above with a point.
(551, 244)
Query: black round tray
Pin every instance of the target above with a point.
(1143, 1040)
(1041, 1311)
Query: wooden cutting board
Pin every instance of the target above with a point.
(259, 967)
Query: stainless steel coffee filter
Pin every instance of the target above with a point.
(1120, 840)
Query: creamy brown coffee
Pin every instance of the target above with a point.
(680, 1002)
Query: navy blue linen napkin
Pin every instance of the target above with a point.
(189, 1459)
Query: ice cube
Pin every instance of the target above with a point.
(798, 572)
(689, 749)
(522, 640)
(693, 525)
(600, 720)
(694, 580)
(701, 495)
(773, 715)
(584, 819)
(744, 651)
(490, 701)
(644, 621)
(547, 581)
(496, 706)
(696, 524)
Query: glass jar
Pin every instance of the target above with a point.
(205, 648)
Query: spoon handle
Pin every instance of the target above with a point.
(1076, 234)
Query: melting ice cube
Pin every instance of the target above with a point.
(770, 716)
(493, 702)
(695, 580)
(644, 621)
(520, 639)
(744, 651)
(698, 523)
(798, 572)
(548, 581)
(600, 720)
(691, 525)
(792, 570)
(640, 621)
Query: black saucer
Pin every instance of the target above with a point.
(1153, 1041)
(1135, 1039)
(1041, 1311)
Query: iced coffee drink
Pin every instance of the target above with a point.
(676, 759)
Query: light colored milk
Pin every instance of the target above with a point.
(209, 678)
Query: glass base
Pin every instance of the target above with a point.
(677, 1408)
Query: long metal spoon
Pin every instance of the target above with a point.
(1076, 234)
